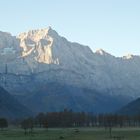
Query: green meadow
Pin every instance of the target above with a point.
(72, 134)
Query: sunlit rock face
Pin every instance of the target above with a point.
(38, 44)
(44, 48)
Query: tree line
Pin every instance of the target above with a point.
(68, 118)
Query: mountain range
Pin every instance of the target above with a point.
(46, 72)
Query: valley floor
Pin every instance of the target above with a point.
(72, 134)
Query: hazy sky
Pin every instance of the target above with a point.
(113, 25)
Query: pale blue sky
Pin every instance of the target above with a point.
(113, 25)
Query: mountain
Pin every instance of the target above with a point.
(10, 107)
(56, 97)
(132, 108)
(34, 64)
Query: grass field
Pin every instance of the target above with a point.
(71, 134)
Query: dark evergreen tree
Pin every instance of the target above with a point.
(3, 123)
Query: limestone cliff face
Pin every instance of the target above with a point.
(38, 44)
(45, 46)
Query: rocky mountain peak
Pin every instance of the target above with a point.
(101, 52)
(46, 46)
(38, 34)
(38, 44)
(129, 56)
